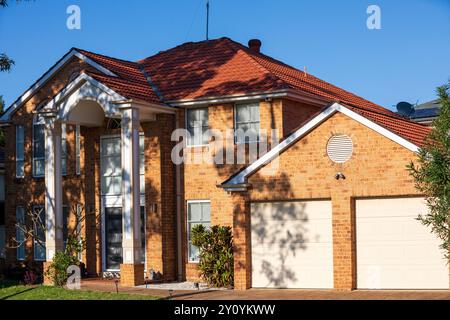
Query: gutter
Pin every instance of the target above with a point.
(289, 93)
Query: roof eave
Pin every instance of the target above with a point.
(47, 76)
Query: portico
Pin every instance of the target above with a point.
(87, 102)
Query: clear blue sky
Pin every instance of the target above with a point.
(405, 60)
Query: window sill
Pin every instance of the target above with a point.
(197, 146)
(247, 142)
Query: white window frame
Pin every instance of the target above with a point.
(188, 222)
(35, 243)
(63, 149)
(20, 161)
(102, 138)
(77, 150)
(187, 129)
(20, 235)
(235, 122)
(141, 174)
(36, 122)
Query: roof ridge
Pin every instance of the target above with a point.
(243, 49)
(252, 55)
(140, 61)
(103, 55)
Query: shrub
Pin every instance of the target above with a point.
(216, 254)
(57, 270)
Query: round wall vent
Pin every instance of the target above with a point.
(339, 148)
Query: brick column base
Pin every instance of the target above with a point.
(47, 281)
(132, 275)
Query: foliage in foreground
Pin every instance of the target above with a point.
(432, 173)
(216, 254)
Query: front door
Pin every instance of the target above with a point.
(113, 230)
(113, 243)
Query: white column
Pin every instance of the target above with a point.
(131, 241)
(53, 188)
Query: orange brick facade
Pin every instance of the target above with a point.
(376, 169)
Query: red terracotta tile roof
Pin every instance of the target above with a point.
(411, 131)
(130, 81)
(224, 67)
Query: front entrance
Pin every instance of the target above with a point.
(113, 237)
(111, 187)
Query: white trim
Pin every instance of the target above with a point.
(289, 93)
(187, 145)
(77, 84)
(48, 75)
(246, 103)
(325, 114)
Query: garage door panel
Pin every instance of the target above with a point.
(290, 210)
(395, 277)
(292, 245)
(397, 252)
(292, 231)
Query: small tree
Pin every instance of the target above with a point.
(33, 227)
(432, 172)
(216, 254)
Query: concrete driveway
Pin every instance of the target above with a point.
(288, 294)
(271, 294)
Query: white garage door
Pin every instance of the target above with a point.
(292, 245)
(394, 250)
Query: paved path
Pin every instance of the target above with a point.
(271, 294)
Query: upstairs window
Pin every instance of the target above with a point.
(38, 147)
(111, 166)
(197, 125)
(247, 122)
(20, 154)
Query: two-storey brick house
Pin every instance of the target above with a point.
(97, 132)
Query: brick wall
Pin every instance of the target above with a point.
(201, 180)
(376, 168)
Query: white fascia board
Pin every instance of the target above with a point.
(328, 112)
(229, 98)
(47, 76)
(75, 84)
(236, 98)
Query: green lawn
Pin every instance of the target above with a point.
(20, 292)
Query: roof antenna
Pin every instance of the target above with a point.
(207, 19)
